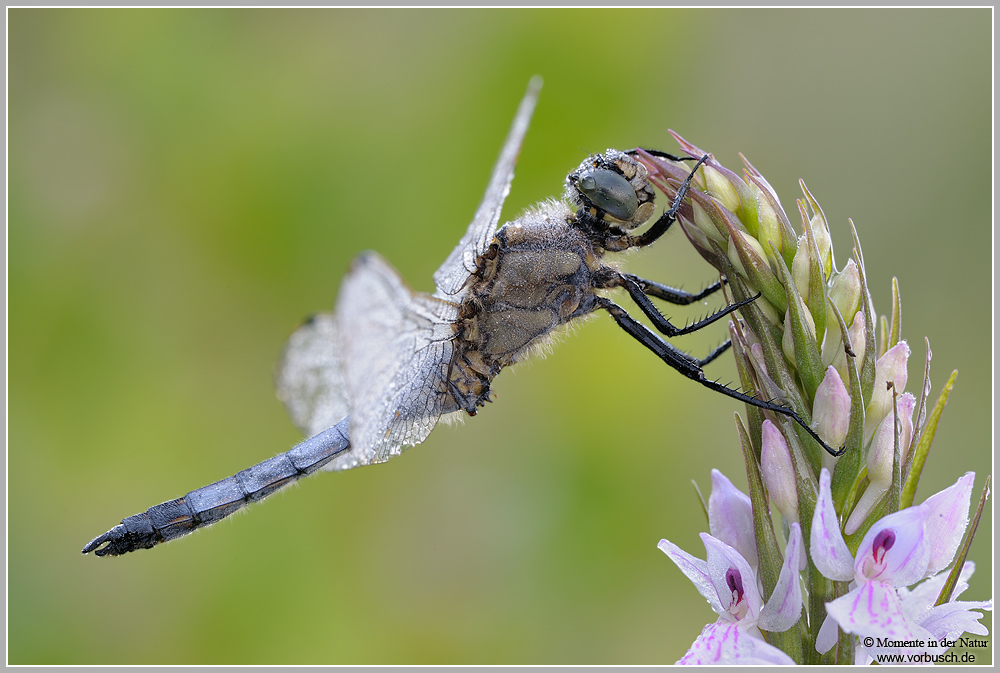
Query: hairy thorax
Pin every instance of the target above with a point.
(536, 275)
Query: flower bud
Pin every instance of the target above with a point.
(748, 257)
(697, 237)
(778, 471)
(705, 223)
(880, 460)
(880, 455)
(890, 367)
(720, 187)
(856, 332)
(845, 290)
(788, 336)
(769, 227)
(751, 247)
(832, 409)
(823, 243)
(800, 268)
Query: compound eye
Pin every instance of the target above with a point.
(610, 192)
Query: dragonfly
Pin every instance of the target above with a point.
(375, 376)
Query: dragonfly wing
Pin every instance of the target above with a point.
(309, 377)
(396, 347)
(453, 274)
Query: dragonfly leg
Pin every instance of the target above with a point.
(667, 219)
(672, 294)
(639, 290)
(692, 367)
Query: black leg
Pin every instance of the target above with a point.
(662, 324)
(716, 353)
(664, 155)
(691, 368)
(661, 226)
(671, 294)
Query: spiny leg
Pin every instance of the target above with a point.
(661, 226)
(690, 367)
(661, 323)
(716, 353)
(663, 155)
(671, 294)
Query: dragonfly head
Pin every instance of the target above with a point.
(611, 189)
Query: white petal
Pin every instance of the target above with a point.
(953, 619)
(785, 605)
(827, 636)
(695, 570)
(920, 598)
(874, 610)
(826, 545)
(728, 643)
(947, 520)
(730, 517)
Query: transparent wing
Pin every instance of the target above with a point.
(455, 271)
(309, 378)
(396, 348)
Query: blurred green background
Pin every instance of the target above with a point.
(186, 185)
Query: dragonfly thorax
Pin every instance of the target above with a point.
(537, 275)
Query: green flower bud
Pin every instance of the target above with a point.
(721, 188)
(705, 223)
(800, 268)
(750, 260)
(856, 332)
(845, 290)
(769, 228)
(788, 335)
(823, 243)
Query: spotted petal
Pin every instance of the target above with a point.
(729, 643)
(874, 610)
